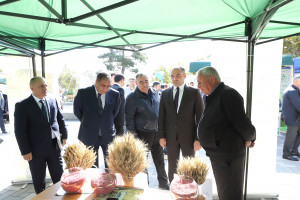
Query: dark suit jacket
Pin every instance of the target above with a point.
(180, 126)
(224, 127)
(87, 110)
(32, 129)
(120, 118)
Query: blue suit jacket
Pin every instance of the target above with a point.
(32, 129)
(120, 118)
(87, 110)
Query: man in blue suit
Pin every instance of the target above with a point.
(96, 107)
(38, 125)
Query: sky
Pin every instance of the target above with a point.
(167, 55)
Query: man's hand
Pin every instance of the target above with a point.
(163, 142)
(28, 156)
(197, 145)
(249, 144)
(64, 142)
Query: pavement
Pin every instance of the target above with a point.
(283, 184)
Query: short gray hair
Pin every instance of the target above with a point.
(35, 79)
(140, 74)
(209, 72)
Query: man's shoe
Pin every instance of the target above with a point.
(290, 157)
(4, 131)
(164, 186)
(296, 154)
(1, 140)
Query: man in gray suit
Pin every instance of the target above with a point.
(180, 110)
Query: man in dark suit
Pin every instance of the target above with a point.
(38, 125)
(120, 118)
(180, 110)
(224, 132)
(96, 107)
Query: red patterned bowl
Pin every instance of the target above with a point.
(184, 187)
(104, 182)
(73, 179)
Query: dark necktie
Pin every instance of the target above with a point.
(176, 98)
(100, 103)
(44, 111)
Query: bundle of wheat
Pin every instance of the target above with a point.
(79, 155)
(193, 167)
(127, 155)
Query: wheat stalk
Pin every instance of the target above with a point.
(79, 155)
(193, 167)
(127, 155)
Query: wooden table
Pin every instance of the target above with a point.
(50, 193)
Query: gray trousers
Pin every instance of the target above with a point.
(292, 140)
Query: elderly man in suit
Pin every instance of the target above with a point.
(38, 125)
(180, 110)
(291, 116)
(120, 118)
(96, 107)
(224, 132)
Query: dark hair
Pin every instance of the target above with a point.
(103, 75)
(180, 68)
(119, 77)
(112, 74)
(155, 83)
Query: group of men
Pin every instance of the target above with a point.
(177, 119)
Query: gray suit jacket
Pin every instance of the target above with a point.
(181, 126)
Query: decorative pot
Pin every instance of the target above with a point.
(73, 179)
(184, 187)
(128, 181)
(104, 182)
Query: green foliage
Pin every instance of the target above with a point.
(68, 81)
(167, 75)
(291, 45)
(119, 60)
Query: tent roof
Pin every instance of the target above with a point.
(51, 25)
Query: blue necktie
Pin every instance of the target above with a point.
(44, 111)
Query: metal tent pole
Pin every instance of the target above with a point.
(33, 65)
(249, 71)
(42, 46)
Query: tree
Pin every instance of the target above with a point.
(166, 73)
(291, 45)
(118, 60)
(68, 81)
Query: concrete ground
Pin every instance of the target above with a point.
(285, 182)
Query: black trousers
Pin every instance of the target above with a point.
(38, 167)
(292, 140)
(229, 176)
(173, 156)
(152, 140)
(105, 154)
